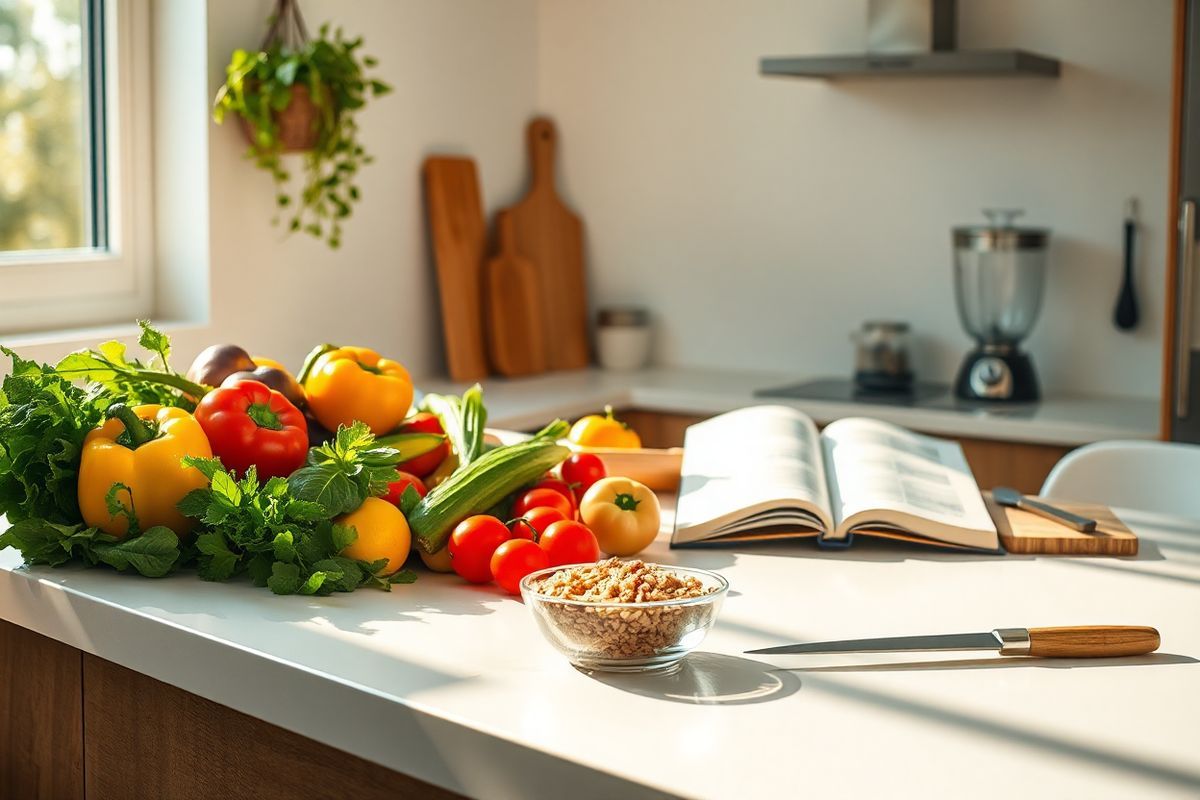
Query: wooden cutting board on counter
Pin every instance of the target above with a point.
(458, 235)
(550, 235)
(516, 331)
(1023, 532)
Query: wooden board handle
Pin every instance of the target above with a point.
(542, 138)
(1092, 641)
(506, 235)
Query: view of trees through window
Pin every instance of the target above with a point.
(44, 130)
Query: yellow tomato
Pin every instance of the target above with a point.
(439, 561)
(622, 513)
(603, 431)
(382, 533)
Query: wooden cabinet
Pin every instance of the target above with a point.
(41, 717)
(75, 726)
(1021, 465)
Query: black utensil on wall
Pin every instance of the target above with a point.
(1125, 315)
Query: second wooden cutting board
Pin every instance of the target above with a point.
(550, 235)
(512, 296)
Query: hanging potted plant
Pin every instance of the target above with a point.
(300, 95)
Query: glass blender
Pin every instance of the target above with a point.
(999, 274)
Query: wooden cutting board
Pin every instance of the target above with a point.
(1023, 532)
(458, 235)
(516, 337)
(550, 235)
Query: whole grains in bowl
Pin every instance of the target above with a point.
(627, 615)
(617, 581)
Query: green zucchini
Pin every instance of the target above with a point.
(411, 445)
(480, 485)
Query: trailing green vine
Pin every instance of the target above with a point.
(260, 84)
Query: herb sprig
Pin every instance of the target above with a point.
(341, 473)
(285, 543)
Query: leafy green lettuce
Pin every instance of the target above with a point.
(43, 421)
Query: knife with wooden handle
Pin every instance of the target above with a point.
(1081, 641)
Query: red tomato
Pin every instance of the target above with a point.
(515, 559)
(581, 470)
(569, 542)
(563, 488)
(426, 463)
(472, 544)
(535, 521)
(536, 498)
(404, 480)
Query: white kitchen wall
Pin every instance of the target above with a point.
(764, 218)
(761, 219)
(465, 77)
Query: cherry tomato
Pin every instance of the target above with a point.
(534, 522)
(403, 481)
(515, 559)
(569, 542)
(425, 463)
(535, 498)
(581, 470)
(472, 544)
(563, 488)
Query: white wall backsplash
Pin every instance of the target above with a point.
(762, 219)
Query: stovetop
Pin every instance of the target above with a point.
(922, 395)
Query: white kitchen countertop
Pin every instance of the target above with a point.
(1058, 419)
(454, 685)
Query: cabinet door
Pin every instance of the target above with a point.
(1183, 398)
(41, 717)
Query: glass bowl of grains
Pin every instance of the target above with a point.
(624, 616)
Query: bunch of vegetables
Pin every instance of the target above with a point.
(310, 484)
(565, 519)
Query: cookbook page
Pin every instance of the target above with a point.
(876, 465)
(740, 466)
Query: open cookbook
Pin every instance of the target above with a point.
(764, 473)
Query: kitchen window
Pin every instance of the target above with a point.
(76, 219)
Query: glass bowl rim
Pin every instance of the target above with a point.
(721, 581)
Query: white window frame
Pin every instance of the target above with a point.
(64, 289)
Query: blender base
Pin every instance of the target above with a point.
(997, 375)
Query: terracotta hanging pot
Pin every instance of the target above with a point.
(299, 123)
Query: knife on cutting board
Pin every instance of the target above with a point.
(1081, 641)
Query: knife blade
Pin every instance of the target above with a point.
(1082, 641)
(1006, 496)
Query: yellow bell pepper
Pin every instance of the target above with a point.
(141, 447)
(353, 383)
(603, 431)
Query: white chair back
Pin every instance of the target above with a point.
(1163, 477)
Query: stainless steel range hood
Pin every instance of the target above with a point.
(913, 38)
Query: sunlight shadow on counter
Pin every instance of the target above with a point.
(707, 679)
